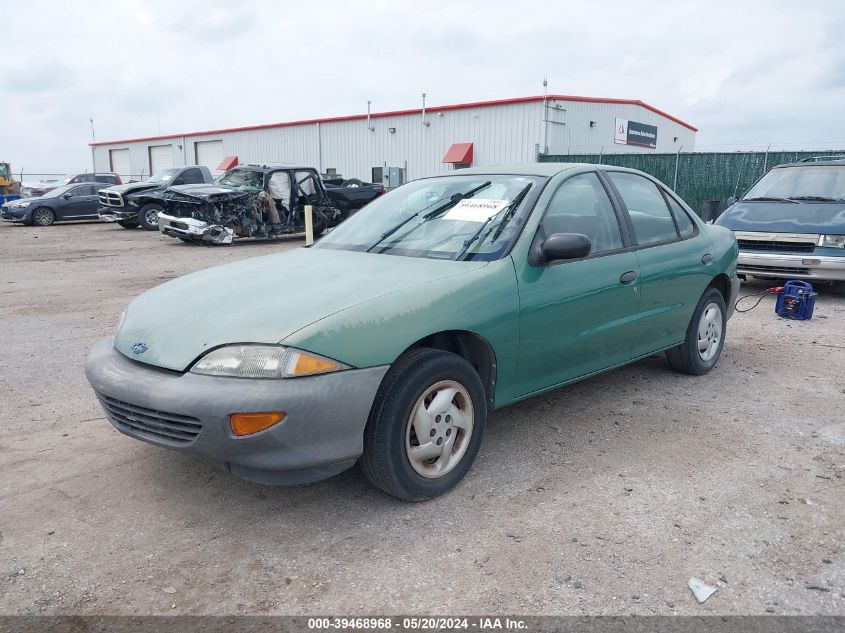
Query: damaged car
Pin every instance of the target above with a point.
(388, 341)
(263, 201)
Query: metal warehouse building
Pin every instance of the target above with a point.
(408, 144)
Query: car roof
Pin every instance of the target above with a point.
(835, 162)
(535, 169)
(275, 166)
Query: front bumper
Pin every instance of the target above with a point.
(321, 435)
(117, 214)
(8, 216)
(780, 266)
(194, 230)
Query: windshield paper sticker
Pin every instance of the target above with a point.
(475, 210)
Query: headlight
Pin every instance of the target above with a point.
(263, 361)
(833, 241)
(19, 205)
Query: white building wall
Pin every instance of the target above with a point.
(502, 133)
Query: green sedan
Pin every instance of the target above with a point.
(387, 342)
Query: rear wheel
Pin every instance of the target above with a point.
(148, 216)
(705, 337)
(43, 216)
(426, 425)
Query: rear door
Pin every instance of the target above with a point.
(675, 261)
(578, 317)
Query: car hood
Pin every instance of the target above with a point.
(131, 187)
(28, 200)
(207, 191)
(785, 217)
(263, 300)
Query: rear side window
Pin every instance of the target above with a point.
(106, 178)
(650, 216)
(685, 225)
(581, 205)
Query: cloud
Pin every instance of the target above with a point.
(745, 73)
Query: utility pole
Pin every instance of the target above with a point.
(93, 140)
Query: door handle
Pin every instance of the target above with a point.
(707, 258)
(628, 277)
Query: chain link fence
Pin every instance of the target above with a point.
(698, 177)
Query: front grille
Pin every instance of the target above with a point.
(785, 270)
(773, 245)
(158, 425)
(110, 198)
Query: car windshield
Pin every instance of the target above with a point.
(4, 171)
(813, 182)
(242, 179)
(58, 191)
(471, 217)
(163, 176)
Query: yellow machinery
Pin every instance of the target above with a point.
(8, 184)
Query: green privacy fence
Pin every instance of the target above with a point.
(697, 176)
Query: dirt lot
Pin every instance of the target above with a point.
(601, 498)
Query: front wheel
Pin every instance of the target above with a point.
(705, 337)
(148, 216)
(426, 425)
(43, 216)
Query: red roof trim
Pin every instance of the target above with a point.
(377, 115)
(459, 153)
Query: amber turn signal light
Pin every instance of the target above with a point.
(307, 364)
(249, 423)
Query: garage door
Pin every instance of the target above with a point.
(161, 158)
(119, 163)
(209, 153)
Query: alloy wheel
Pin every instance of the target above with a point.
(43, 216)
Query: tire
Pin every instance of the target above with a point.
(43, 216)
(148, 216)
(412, 386)
(705, 338)
(128, 224)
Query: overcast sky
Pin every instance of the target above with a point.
(744, 73)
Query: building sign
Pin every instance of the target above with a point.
(633, 133)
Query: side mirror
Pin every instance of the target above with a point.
(730, 201)
(558, 246)
(66, 196)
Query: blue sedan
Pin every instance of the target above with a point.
(78, 201)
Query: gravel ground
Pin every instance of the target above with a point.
(604, 497)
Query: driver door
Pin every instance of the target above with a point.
(578, 316)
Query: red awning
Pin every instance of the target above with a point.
(460, 154)
(228, 163)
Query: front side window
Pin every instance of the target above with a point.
(447, 217)
(650, 216)
(581, 205)
(192, 177)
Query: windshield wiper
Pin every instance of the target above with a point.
(816, 198)
(508, 212)
(453, 200)
(769, 199)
